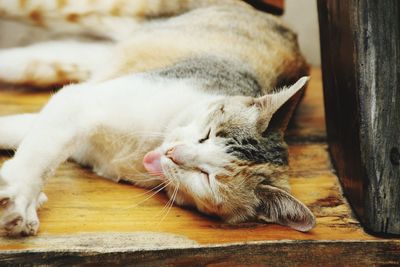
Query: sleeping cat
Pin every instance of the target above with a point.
(173, 95)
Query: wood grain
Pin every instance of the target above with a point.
(308, 122)
(283, 253)
(79, 201)
(360, 43)
(89, 219)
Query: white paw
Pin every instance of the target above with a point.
(19, 216)
(20, 66)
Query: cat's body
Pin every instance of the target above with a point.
(186, 99)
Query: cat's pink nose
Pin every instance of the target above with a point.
(173, 155)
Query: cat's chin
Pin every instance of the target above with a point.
(152, 163)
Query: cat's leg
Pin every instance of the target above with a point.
(102, 18)
(14, 128)
(114, 19)
(53, 63)
(59, 129)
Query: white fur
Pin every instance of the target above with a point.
(91, 16)
(97, 18)
(42, 61)
(130, 104)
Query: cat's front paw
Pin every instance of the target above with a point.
(19, 210)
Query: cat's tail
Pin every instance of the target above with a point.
(114, 19)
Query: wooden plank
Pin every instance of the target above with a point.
(308, 122)
(91, 220)
(80, 201)
(360, 44)
(285, 253)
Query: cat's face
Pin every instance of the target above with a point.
(225, 163)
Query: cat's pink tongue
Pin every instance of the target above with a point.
(152, 163)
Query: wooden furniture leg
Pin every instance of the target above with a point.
(360, 50)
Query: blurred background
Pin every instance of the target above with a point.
(301, 15)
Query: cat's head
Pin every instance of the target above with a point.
(225, 162)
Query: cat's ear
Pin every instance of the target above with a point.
(278, 206)
(270, 103)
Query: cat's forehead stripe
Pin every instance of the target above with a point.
(269, 149)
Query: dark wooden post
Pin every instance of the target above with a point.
(360, 50)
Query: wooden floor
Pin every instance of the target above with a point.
(88, 218)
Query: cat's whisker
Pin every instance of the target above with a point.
(163, 209)
(147, 175)
(147, 198)
(146, 179)
(169, 173)
(154, 175)
(138, 176)
(170, 204)
(147, 192)
(165, 206)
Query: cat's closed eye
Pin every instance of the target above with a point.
(221, 134)
(206, 137)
